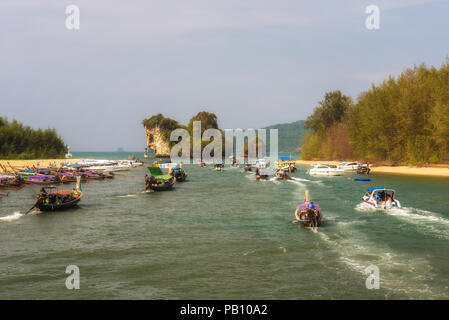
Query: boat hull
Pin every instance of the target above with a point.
(324, 173)
(160, 187)
(308, 218)
(62, 206)
(382, 206)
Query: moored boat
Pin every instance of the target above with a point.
(218, 166)
(325, 170)
(163, 164)
(363, 169)
(348, 165)
(308, 214)
(381, 198)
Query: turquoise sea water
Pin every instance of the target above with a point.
(223, 235)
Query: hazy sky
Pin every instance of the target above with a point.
(252, 62)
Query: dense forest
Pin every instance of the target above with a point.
(23, 142)
(403, 120)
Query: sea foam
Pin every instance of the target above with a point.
(12, 217)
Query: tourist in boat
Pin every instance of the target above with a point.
(308, 214)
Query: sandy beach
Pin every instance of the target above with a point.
(436, 170)
(43, 163)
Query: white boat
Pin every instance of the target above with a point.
(348, 165)
(132, 163)
(89, 163)
(325, 170)
(163, 164)
(260, 163)
(117, 167)
(381, 198)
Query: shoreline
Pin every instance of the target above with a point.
(43, 163)
(434, 171)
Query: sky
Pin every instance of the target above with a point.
(254, 63)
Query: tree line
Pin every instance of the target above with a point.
(23, 142)
(403, 120)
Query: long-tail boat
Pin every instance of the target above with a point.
(158, 181)
(282, 175)
(308, 214)
(11, 181)
(261, 174)
(58, 200)
(178, 173)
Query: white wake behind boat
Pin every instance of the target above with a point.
(325, 170)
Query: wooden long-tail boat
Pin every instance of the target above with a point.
(308, 214)
(158, 181)
(178, 173)
(59, 200)
(282, 175)
(261, 174)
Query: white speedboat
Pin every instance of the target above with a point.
(348, 165)
(381, 198)
(325, 170)
(116, 167)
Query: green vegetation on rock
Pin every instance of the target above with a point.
(166, 125)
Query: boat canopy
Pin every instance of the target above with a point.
(283, 158)
(309, 205)
(374, 189)
(155, 171)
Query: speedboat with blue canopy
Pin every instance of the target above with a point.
(381, 198)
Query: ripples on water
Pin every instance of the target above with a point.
(224, 235)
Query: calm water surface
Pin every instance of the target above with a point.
(223, 235)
